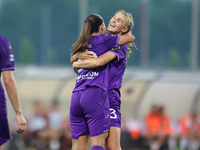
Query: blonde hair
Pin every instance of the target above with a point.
(129, 23)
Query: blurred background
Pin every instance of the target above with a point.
(161, 87)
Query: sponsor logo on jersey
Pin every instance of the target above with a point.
(116, 48)
(11, 57)
(89, 75)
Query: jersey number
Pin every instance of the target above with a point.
(113, 113)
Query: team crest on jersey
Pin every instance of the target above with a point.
(11, 57)
(116, 48)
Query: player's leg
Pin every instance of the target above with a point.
(79, 129)
(98, 142)
(80, 143)
(96, 110)
(113, 142)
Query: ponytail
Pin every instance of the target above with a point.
(91, 25)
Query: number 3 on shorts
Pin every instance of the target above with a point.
(113, 113)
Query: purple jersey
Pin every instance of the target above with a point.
(116, 72)
(117, 67)
(91, 89)
(98, 76)
(6, 63)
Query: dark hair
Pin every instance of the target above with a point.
(91, 25)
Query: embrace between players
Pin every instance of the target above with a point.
(99, 61)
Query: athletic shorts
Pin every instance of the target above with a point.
(4, 128)
(115, 106)
(89, 112)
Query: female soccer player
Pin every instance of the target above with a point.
(121, 23)
(6, 68)
(89, 110)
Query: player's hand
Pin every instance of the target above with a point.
(21, 123)
(75, 68)
(85, 55)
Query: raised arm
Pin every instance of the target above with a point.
(11, 89)
(103, 59)
(126, 38)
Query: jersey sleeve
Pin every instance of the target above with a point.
(7, 58)
(119, 51)
(111, 40)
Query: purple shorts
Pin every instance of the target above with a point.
(115, 105)
(89, 112)
(4, 128)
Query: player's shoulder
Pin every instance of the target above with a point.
(106, 36)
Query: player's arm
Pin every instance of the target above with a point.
(126, 38)
(82, 56)
(74, 58)
(11, 89)
(95, 62)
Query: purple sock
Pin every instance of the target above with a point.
(97, 147)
